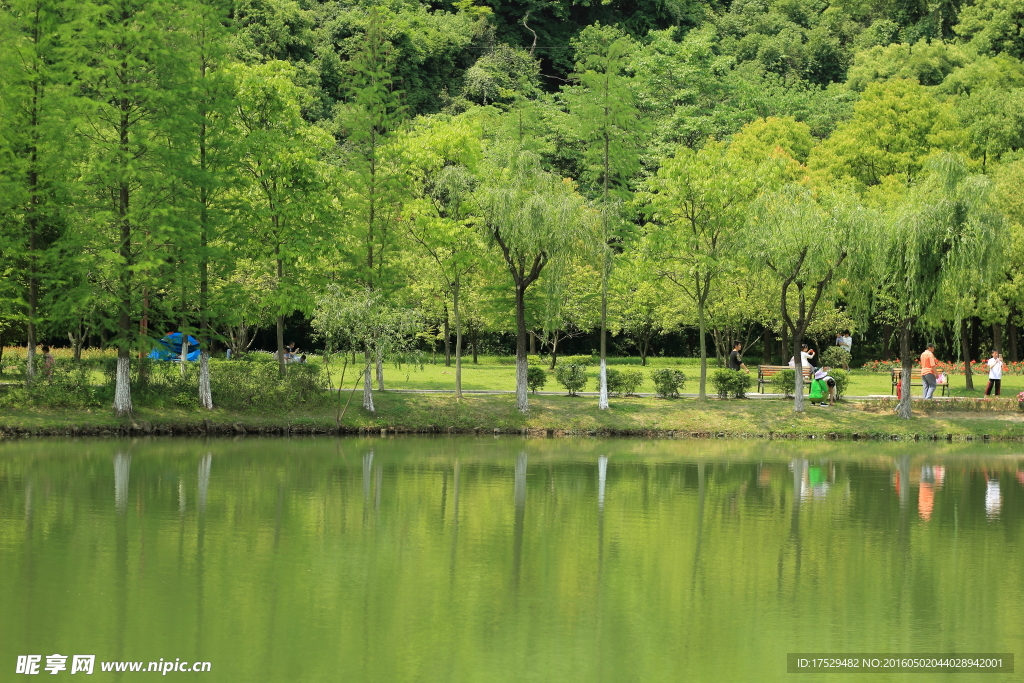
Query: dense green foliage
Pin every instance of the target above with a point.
(758, 171)
(731, 383)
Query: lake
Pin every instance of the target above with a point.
(506, 559)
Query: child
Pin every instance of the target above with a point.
(48, 362)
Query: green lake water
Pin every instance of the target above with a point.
(504, 559)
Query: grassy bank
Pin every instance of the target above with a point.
(551, 415)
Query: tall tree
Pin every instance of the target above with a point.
(371, 175)
(121, 47)
(609, 123)
(945, 232)
(441, 157)
(34, 131)
(806, 246)
(534, 218)
(697, 203)
(286, 196)
(206, 164)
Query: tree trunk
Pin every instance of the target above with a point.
(997, 337)
(205, 338)
(122, 379)
(184, 348)
(522, 399)
(907, 364)
(447, 340)
(798, 374)
(368, 384)
(280, 346)
(280, 318)
(380, 371)
(976, 340)
(205, 395)
(554, 349)
(122, 383)
(458, 340)
(702, 390)
(533, 343)
(602, 401)
(965, 351)
(472, 341)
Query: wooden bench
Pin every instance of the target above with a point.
(766, 372)
(915, 381)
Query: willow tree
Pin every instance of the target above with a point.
(806, 245)
(944, 232)
(534, 218)
(697, 204)
(608, 120)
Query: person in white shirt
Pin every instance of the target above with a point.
(845, 341)
(995, 373)
(806, 357)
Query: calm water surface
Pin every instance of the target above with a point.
(506, 559)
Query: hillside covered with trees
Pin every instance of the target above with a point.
(393, 176)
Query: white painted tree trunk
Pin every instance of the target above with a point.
(122, 387)
(368, 387)
(184, 353)
(522, 398)
(798, 378)
(602, 402)
(205, 397)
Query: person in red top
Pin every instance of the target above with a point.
(928, 377)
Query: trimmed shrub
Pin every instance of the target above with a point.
(842, 378)
(836, 357)
(572, 377)
(668, 382)
(630, 381)
(621, 382)
(783, 382)
(735, 382)
(582, 361)
(536, 378)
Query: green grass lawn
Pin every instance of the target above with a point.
(492, 374)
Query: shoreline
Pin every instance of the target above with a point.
(401, 413)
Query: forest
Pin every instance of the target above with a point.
(628, 177)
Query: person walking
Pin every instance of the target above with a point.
(735, 359)
(995, 373)
(928, 378)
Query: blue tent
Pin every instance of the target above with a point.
(170, 348)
